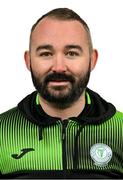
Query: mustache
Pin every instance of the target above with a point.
(59, 77)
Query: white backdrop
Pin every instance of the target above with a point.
(104, 18)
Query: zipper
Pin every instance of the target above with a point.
(64, 159)
(64, 125)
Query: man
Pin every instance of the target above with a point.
(63, 129)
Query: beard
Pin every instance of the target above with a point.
(61, 96)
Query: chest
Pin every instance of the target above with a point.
(64, 145)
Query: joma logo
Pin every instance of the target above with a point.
(23, 152)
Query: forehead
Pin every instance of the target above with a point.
(52, 30)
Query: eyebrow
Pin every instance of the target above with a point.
(47, 46)
(71, 46)
(50, 47)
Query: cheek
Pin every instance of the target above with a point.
(79, 70)
(39, 67)
(79, 65)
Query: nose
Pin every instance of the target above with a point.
(59, 64)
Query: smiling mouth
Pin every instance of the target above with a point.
(59, 83)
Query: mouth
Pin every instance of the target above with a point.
(58, 82)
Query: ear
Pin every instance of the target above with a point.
(27, 59)
(94, 57)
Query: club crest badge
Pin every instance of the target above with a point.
(101, 154)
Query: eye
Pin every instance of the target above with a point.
(45, 54)
(72, 53)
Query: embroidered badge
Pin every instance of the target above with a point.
(101, 154)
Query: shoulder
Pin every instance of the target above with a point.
(118, 116)
(9, 113)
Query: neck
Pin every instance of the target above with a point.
(73, 111)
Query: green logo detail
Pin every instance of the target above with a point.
(100, 152)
